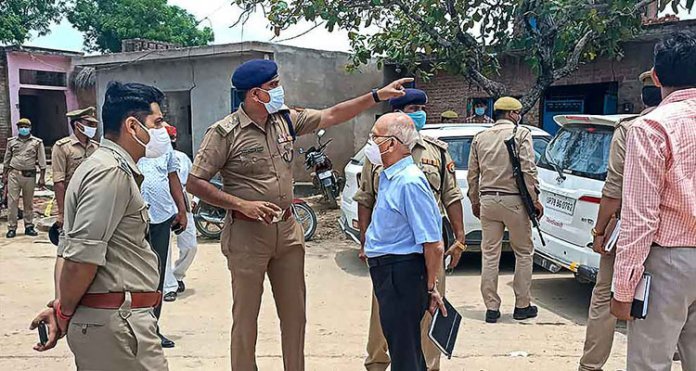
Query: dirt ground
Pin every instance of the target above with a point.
(338, 287)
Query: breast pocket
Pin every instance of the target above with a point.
(75, 161)
(256, 164)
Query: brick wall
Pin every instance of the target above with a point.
(450, 92)
(5, 124)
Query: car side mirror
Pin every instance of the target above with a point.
(321, 133)
(301, 151)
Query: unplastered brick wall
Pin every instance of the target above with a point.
(5, 124)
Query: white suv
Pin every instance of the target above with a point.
(571, 176)
(459, 137)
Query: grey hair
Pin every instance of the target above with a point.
(403, 128)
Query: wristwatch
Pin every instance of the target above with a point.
(375, 96)
(596, 234)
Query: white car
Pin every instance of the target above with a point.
(571, 176)
(459, 137)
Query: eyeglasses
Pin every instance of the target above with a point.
(373, 137)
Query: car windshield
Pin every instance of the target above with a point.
(581, 150)
(459, 149)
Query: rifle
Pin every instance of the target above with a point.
(519, 179)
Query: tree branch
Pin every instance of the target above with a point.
(574, 59)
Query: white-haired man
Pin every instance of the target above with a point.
(403, 242)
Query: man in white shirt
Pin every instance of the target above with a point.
(186, 241)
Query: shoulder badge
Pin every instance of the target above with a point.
(436, 142)
(451, 167)
(225, 126)
(63, 141)
(37, 139)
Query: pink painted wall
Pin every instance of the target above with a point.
(39, 62)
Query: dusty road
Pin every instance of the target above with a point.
(338, 300)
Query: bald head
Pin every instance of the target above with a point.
(397, 125)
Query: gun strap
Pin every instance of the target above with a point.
(442, 171)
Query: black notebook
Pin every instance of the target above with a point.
(639, 307)
(443, 330)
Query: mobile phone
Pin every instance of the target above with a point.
(176, 228)
(278, 217)
(448, 260)
(43, 333)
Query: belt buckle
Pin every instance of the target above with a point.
(125, 309)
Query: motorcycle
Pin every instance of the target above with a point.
(210, 219)
(324, 177)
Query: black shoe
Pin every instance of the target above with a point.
(11, 233)
(181, 288)
(524, 313)
(166, 343)
(170, 296)
(492, 316)
(30, 231)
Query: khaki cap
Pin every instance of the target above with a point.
(449, 115)
(86, 114)
(646, 78)
(24, 121)
(507, 104)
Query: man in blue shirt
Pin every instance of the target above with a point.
(403, 242)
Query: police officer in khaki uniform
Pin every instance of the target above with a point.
(253, 150)
(23, 153)
(69, 152)
(495, 199)
(433, 159)
(600, 322)
(106, 272)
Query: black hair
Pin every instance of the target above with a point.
(124, 100)
(73, 122)
(651, 96)
(499, 114)
(479, 102)
(675, 58)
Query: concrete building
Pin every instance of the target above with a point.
(603, 86)
(34, 84)
(197, 85)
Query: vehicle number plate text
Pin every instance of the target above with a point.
(563, 204)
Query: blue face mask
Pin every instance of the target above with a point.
(418, 118)
(480, 111)
(277, 100)
(24, 131)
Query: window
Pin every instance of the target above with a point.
(581, 150)
(540, 144)
(459, 150)
(46, 78)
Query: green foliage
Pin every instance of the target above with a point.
(106, 23)
(19, 17)
(467, 37)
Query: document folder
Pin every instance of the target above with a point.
(443, 330)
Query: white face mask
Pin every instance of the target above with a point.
(90, 132)
(159, 143)
(373, 154)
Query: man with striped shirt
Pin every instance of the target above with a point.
(658, 233)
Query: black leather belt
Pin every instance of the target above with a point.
(392, 259)
(496, 193)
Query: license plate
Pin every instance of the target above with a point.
(325, 175)
(560, 203)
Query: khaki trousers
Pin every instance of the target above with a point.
(671, 319)
(377, 358)
(121, 339)
(600, 322)
(498, 212)
(253, 250)
(16, 184)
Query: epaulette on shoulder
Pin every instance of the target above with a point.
(436, 142)
(123, 165)
(37, 139)
(225, 126)
(63, 141)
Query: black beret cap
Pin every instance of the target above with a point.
(254, 73)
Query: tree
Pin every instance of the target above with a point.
(18, 18)
(106, 23)
(467, 37)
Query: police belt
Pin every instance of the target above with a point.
(496, 193)
(26, 173)
(113, 300)
(286, 215)
(390, 259)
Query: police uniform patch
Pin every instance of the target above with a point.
(63, 141)
(226, 125)
(451, 167)
(246, 151)
(436, 142)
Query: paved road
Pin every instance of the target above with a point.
(338, 301)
